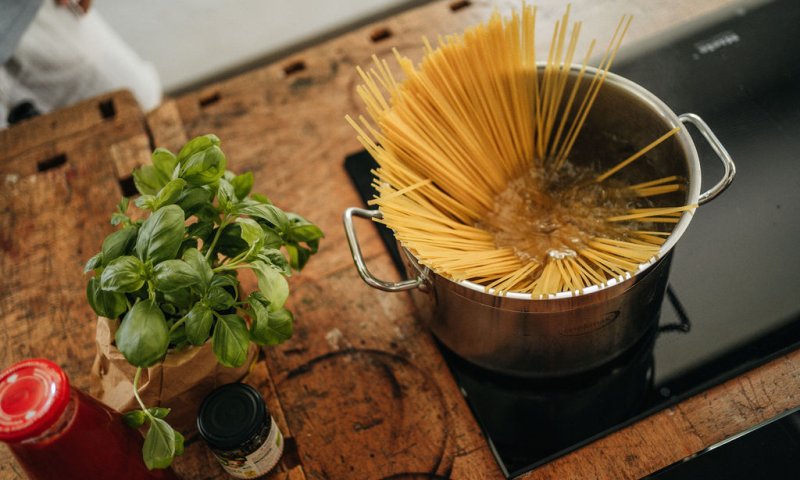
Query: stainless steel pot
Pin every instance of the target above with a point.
(568, 333)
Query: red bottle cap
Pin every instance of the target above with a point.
(33, 395)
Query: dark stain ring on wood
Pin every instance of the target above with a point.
(306, 367)
(397, 390)
(398, 423)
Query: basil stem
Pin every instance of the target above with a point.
(222, 225)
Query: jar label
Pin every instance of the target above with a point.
(261, 461)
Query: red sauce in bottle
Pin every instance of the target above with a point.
(55, 431)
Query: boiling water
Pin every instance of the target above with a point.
(544, 213)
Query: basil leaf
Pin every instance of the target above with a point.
(178, 443)
(272, 239)
(160, 236)
(204, 167)
(261, 198)
(119, 243)
(197, 144)
(270, 328)
(117, 218)
(164, 161)
(293, 250)
(304, 254)
(159, 444)
(169, 309)
(192, 198)
(94, 262)
(159, 412)
(145, 202)
(226, 195)
(242, 184)
(219, 298)
(305, 233)
(122, 206)
(275, 259)
(134, 418)
(258, 308)
(198, 262)
(313, 245)
(143, 336)
(106, 304)
(251, 231)
(172, 275)
(301, 230)
(257, 297)
(198, 324)
(271, 284)
(298, 256)
(272, 214)
(230, 340)
(120, 216)
(170, 193)
(147, 179)
(123, 274)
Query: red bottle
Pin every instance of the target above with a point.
(57, 432)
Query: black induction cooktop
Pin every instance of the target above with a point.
(733, 298)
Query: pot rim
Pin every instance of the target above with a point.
(657, 106)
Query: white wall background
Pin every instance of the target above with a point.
(190, 41)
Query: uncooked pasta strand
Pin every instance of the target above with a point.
(636, 155)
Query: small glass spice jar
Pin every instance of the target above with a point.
(238, 428)
(56, 431)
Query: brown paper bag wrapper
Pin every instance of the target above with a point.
(180, 382)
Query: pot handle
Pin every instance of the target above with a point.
(724, 156)
(358, 258)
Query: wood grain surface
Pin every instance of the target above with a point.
(361, 390)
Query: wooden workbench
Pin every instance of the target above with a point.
(360, 390)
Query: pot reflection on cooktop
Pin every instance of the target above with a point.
(538, 418)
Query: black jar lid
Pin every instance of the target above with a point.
(231, 415)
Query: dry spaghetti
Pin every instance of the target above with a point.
(475, 177)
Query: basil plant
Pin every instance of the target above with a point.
(172, 277)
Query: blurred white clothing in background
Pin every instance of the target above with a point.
(64, 57)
